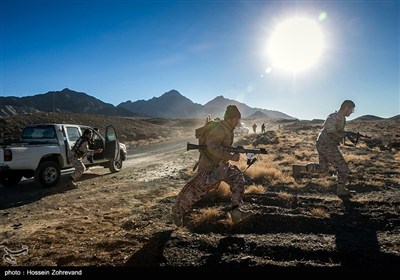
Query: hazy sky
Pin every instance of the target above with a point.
(128, 50)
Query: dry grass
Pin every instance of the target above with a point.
(290, 159)
(287, 178)
(241, 164)
(207, 215)
(396, 180)
(367, 199)
(326, 181)
(382, 164)
(266, 159)
(304, 155)
(285, 196)
(319, 212)
(271, 175)
(374, 182)
(222, 192)
(256, 172)
(356, 158)
(255, 189)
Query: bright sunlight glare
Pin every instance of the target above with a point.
(296, 45)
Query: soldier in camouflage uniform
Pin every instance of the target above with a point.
(327, 144)
(77, 153)
(213, 168)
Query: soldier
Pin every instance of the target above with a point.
(213, 168)
(92, 146)
(327, 144)
(263, 128)
(254, 127)
(77, 153)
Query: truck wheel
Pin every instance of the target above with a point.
(10, 179)
(48, 174)
(116, 165)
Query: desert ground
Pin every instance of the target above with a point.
(124, 219)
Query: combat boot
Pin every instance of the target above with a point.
(238, 215)
(176, 218)
(72, 184)
(343, 192)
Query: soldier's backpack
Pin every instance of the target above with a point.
(201, 134)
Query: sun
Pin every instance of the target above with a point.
(296, 45)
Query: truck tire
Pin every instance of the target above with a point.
(116, 165)
(10, 178)
(48, 174)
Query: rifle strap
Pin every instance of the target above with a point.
(244, 170)
(197, 164)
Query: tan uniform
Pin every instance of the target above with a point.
(327, 147)
(75, 157)
(221, 136)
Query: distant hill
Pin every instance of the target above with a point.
(368, 118)
(395, 118)
(217, 106)
(169, 105)
(174, 105)
(258, 115)
(59, 101)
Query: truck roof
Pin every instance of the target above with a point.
(56, 124)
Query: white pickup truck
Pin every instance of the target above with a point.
(43, 148)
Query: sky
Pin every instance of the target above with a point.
(132, 50)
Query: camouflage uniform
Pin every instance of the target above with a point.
(327, 147)
(77, 153)
(209, 173)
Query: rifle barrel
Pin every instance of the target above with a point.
(246, 151)
(190, 146)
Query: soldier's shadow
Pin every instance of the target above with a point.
(356, 238)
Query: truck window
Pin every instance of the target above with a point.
(28, 133)
(96, 136)
(73, 133)
(39, 132)
(111, 136)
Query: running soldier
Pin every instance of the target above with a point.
(263, 128)
(214, 167)
(327, 144)
(254, 127)
(77, 153)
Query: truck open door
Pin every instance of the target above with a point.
(111, 146)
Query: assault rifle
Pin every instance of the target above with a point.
(238, 149)
(355, 137)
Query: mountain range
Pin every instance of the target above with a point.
(169, 105)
